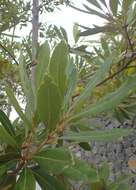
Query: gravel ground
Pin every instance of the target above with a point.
(116, 154)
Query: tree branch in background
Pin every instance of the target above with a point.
(9, 53)
(35, 27)
(128, 38)
(119, 71)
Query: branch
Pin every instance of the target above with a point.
(35, 27)
(118, 72)
(7, 51)
(128, 38)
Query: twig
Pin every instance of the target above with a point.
(128, 38)
(118, 72)
(7, 51)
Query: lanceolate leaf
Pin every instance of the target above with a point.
(49, 103)
(71, 86)
(7, 138)
(95, 3)
(26, 181)
(104, 171)
(3, 169)
(17, 107)
(106, 135)
(60, 161)
(6, 123)
(47, 181)
(114, 6)
(7, 157)
(96, 13)
(110, 101)
(54, 160)
(58, 64)
(42, 63)
(121, 180)
(80, 170)
(27, 88)
(96, 30)
(103, 2)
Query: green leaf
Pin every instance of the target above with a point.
(92, 31)
(103, 2)
(3, 169)
(42, 63)
(49, 103)
(98, 77)
(8, 157)
(120, 181)
(47, 181)
(110, 101)
(71, 87)
(95, 3)
(104, 171)
(7, 138)
(27, 88)
(26, 181)
(6, 123)
(54, 160)
(80, 170)
(94, 12)
(85, 146)
(58, 64)
(64, 33)
(114, 6)
(16, 106)
(123, 186)
(98, 185)
(97, 30)
(76, 32)
(106, 135)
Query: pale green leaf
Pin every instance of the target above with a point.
(6, 123)
(71, 87)
(27, 88)
(42, 63)
(106, 135)
(16, 106)
(49, 103)
(76, 32)
(80, 170)
(114, 6)
(58, 64)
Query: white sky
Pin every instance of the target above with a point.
(66, 17)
